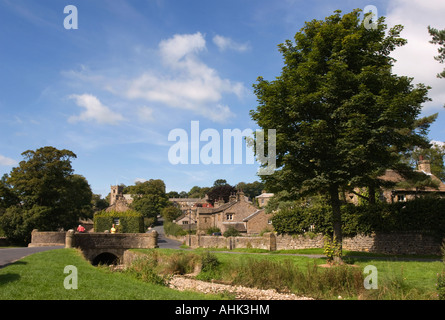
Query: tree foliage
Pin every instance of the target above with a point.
(341, 115)
(149, 197)
(438, 37)
(220, 191)
(43, 193)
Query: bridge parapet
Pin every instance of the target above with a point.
(102, 240)
(94, 244)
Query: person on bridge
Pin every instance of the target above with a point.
(80, 228)
(113, 229)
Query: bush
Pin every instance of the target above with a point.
(231, 232)
(144, 268)
(332, 249)
(211, 230)
(424, 215)
(130, 221)
(209, 262)
(173, 229)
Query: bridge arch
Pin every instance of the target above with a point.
(106, 258)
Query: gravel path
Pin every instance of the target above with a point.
(241, 293)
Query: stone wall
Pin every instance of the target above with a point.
(393, 243)
(46, 238)
(102, 240)
(230, 243)
(288, 242)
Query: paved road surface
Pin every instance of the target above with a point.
(10, 255)
(163, 241)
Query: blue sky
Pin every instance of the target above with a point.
(113, 89)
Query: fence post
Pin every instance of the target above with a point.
(272, 241)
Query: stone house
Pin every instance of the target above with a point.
(238, 213)
(258, 222)
(401, 194)
(186, 221)
(263, 198)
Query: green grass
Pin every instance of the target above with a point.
(397, 280)
(41, 276)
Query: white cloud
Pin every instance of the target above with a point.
(145, 114)
(187, 83)
(416, 58)
(439, 144)
(181, 45)
(5, 161)
(94, 110)
(140, 180)
(224, 43)
(178, 79)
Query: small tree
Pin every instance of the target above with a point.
(170, 213)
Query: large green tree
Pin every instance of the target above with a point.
(44, 193)
(340, 114)
(149, 197)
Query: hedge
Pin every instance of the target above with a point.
(130, 221)
(423, 215)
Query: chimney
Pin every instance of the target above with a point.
(424, 165)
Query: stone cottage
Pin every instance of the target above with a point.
(401, 194)
(238, 213)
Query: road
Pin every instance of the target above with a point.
(163, 241)
(10, 255)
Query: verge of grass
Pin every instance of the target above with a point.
(397, 279)
(41, 276)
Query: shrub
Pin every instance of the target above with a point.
(179, 263)
(231, 232)
(331, 248)
(211, 230)
(173, 229)
(424, 215)
(209, 262)
(144, 268)
(130, 221)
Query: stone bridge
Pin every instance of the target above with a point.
(108, 248)
(97, 247)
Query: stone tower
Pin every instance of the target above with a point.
(424, 165)
(116, 193)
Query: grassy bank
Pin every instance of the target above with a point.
(397, 280)
(41, 276)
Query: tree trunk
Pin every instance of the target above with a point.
(371, 196)
(336, 218)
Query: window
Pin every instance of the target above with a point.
(185, 222)
(269, 221)
(116, 221)
(229, 216)
(401, 198)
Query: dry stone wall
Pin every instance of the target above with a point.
(390, 243)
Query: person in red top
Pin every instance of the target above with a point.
(80, 228)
